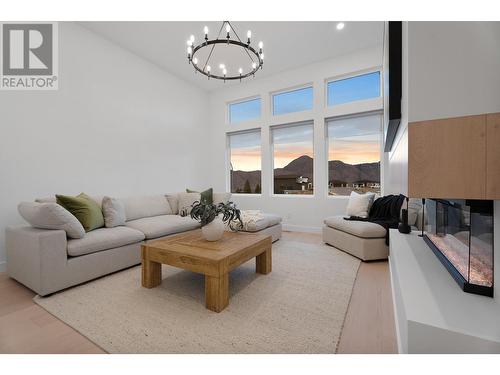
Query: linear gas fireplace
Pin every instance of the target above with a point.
(460, 233)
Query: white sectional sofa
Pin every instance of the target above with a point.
(47, 261)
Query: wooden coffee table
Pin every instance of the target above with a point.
(215, 260)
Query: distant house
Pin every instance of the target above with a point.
(291, 182)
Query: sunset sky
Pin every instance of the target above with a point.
(352, 140)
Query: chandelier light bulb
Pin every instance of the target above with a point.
(208, 68)
(189, 50)
(240, 70)
(189, 43)
(228, 27)
(249, 34)
(222, 66)
(195, 61)
(224, 71)
(340, 25)
(205, 30)
(254, 65)
(262, 56)
(191, 39)
(261, 45)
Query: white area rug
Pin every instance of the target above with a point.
(299, 307)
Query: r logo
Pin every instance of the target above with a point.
(27, 49)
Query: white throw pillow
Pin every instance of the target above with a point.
(114, 212)
(51, 216)
(359, 204)
(186, 201)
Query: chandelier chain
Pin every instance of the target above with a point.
(235, 33)
(213, 46)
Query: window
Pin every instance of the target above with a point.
(245, 162)
(348, 90)
(293, 159)
(244, 111)
(354, 154)
(293, 101)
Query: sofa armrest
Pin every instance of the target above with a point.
(34, 253)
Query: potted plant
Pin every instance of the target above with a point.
(214, 217)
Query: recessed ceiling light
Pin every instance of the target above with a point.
(340, 25)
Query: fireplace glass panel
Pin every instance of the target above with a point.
(462, 232)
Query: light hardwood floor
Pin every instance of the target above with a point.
(369, 326)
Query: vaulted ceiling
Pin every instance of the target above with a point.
(287, 45)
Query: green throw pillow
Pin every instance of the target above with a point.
(84, 208)
(206, 196)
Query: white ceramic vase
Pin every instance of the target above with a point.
(214, 230)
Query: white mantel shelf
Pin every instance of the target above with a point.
(433, 315)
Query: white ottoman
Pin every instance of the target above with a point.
(362, 239)
(269, 224)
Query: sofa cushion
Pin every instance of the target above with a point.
(51, 216)
(146, 206)
(173, 201)
(186, 201)
(221, 198)
(104, 239)
(159, 226)
(363, 229)
(268, 220)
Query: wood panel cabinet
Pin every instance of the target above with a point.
(455, 158)
(493, 156)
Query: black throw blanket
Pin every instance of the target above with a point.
(385, 211)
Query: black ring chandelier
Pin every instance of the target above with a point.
(256, 58)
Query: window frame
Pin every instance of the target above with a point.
(238, 101)
(326, 145)
(228, 160)
(271, 148)
(272, 94)
(358, 73)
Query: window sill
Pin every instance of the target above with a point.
(306, 196)
(246, 195)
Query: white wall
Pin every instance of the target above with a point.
(453, 70)
(118, 125)
(298, 212)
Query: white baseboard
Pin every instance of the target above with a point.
(301, 228)
(3, 266)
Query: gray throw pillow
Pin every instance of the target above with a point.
(114, 212)
(51, 216)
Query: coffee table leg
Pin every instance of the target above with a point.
(264, 262)
(216, 292)
(151, 274)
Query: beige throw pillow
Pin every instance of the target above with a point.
(359, 204)
(186, 201)
(114, 212)
(51, 216)
(221, 198)
(173, 201)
